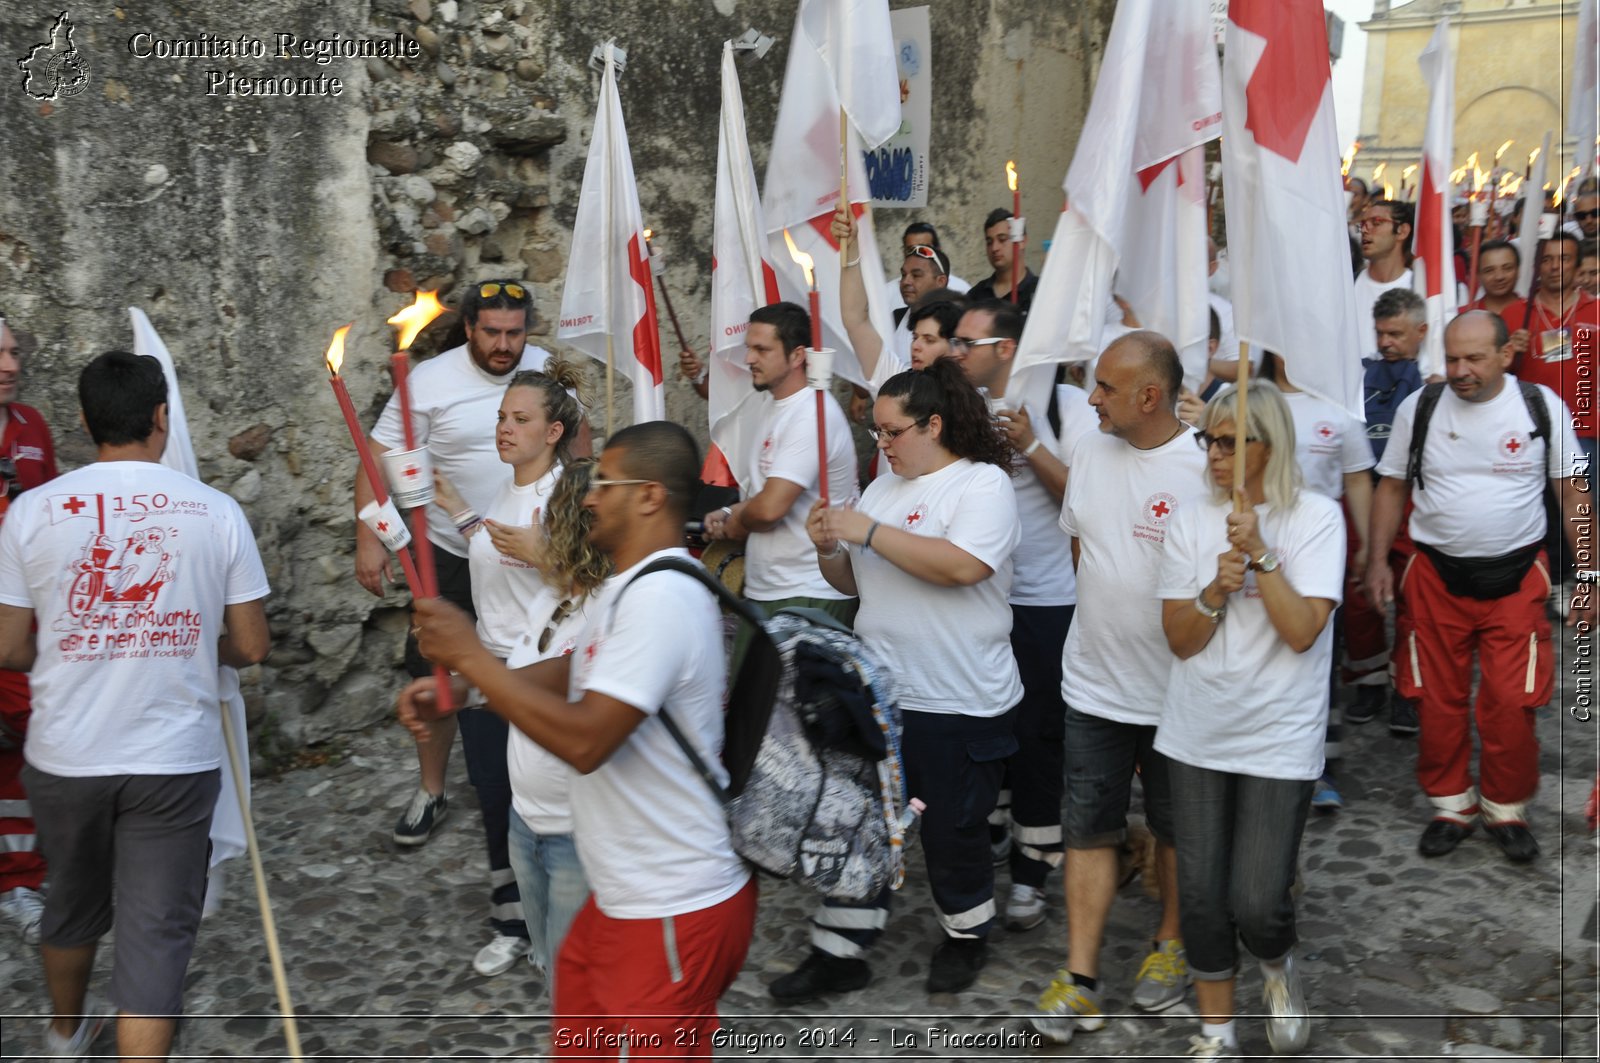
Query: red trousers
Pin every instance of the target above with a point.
(21, 864)
(1511, 636)
(1366, 643)
(651, 985)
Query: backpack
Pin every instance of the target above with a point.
(815, 788)
(1430, 399)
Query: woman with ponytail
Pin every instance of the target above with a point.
(928, 550)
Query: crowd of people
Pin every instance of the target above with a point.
(1113, 579)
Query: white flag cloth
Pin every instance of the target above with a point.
(1583, 110)
(1533, 206)
(852, 38)
(609, 301)
(227, 824)
(1288, 234)
(1433, 271)
(1136, 193)
(741, 281)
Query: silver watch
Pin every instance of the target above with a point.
(1267, 562)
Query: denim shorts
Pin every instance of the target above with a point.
(1101, 757)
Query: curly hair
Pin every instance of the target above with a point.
(572, 565)
(557, 381)
(943, 389)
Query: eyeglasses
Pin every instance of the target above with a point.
(889, 435)
(598, 484)
(1585, 215)
(1226, 444)
(494, 288)
(1369, 224)
(563, 611)
(961, 343)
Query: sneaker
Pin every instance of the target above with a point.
(1026, 907)
(1209, 1048)
(499, 955)
(77, 1046)
(1515, 840)
(1441, 837)
(819, 975)
(1163, 977)
(1325, 796)
(1403, 718)
(955, 964)
(1066, 1007)
(23, 908)
(425, 812)
(1368, 703)
(1288, 1024)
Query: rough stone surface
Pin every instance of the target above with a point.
(379, 942)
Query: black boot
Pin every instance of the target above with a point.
(818, 976)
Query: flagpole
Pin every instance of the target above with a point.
(610, 253)
(1241, 428)
(269, 929)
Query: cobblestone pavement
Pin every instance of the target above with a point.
(1462, 956)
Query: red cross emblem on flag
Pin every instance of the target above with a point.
(74, 505)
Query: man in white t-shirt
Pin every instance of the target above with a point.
(673, 907)
(454, 400)
(1126, 482)
(781, 477)
(1480, 579)
(142, 581)
(1385, 235)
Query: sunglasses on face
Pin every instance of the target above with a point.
(1585, 215)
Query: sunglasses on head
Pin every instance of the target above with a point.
(493, 288)
(924, 251)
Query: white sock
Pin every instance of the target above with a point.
(1225, 1030)
(1273, 970)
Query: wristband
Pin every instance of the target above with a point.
(1213, 615)
(727, 512)
(831, 554)
(853, 263)
(465, 516)
(1031, 447)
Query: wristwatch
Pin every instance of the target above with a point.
(1213, 615)
(1267, 562)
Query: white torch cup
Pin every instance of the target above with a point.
(1019, 229)
(819, 367)
(387, 524)
(410, 476)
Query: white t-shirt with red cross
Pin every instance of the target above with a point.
(128, 567)
(1248, 703)
(1119, 503)
(541, 782)
(781, 562)
(1328, 443)
(652, 837)
(949, 648)
(1483, 475)
(453, 408)
(503, 587)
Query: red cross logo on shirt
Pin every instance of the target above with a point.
(1160, 509)
(590, 650)
(915, 517)
(1159, 506)
(74, 504)
(1324, 431)
(1512, 445)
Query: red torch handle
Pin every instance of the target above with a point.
(369, 465)
(429, 573)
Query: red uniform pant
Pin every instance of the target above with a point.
(1511, 636)
(1366, 642)
(650, 985)
(21, 863)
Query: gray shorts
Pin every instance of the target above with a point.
(141, 841)
(1102, 756)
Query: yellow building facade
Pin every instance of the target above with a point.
(1513, 63)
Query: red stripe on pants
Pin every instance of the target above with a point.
(1444, 631)
(649, 984)
(16, 868)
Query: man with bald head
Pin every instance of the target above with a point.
(1123, 486)
(1488, 444)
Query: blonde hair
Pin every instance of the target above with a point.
(1273, 425)
(557, 382)
(572, 564)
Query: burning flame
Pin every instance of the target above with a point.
(1509, 184)
(1405, 175)
(414, 318)
(1572, 176)
(1501, 150)
(1388, 191)
(802, 258)
(1349, 157)
(1478, 176)
(1532, 155)
(647, 234)
(335, 355)
(1011, 175)
(1458, 175)
(1377, 171)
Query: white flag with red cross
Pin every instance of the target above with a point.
(1583, 108)
(1288, 235)
(608, 302)
(1433, 241)
(1135, 207)
(842, 54)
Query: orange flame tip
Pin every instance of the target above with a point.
(803, 259)
(413, 319)
(1011, 175)
(335, 355)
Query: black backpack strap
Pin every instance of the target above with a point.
(1419, 431)
(1538, 410)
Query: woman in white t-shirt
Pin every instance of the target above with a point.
(537, 423)
(549, 875)
(1247, 599)
(928, 550)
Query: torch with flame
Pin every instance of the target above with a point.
(819, 363)
(1349, 157)
(806, 264)
(1561, 188)
(1501, 150)
(1532, 155)
(410, 322)
(335, 355)
(1015, 184)
(1377, 172)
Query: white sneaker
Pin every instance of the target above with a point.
(77, 1046)
(1209, 1048)
(499, 955)
(23, 908)
(1026, 907)
(1288, 1024)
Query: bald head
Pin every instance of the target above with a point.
(1477, 326)
(1154, 361)
(1136, 384)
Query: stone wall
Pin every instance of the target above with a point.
(248, 227)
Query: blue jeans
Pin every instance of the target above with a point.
(553, 888)
(1238, 837)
